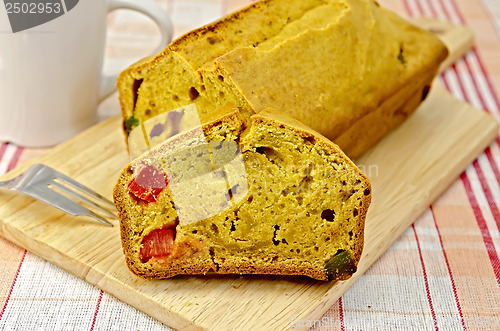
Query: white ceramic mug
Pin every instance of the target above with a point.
(51, 77)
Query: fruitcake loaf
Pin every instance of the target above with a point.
(296, 207)
(348, 69)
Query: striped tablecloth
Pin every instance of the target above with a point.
(442, 273)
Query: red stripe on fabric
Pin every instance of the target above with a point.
(426, 280)
(407, 8)
(409, 11)
(3, 148)
(488, 241)
(96, 311)
(445, 82)
(460, 84)
(419, 7)
(341, 314)
(486, 78)
(445, 10)
(494, 166)
(476, 86)
(487, 193)
(433, 10)
(12, 287)
(457, 12)
(449, 269)
(15, 158)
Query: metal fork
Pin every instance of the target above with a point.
(38, 180)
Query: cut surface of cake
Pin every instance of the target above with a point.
(348, 69)
(265, 196)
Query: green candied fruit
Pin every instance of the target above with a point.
(341, 264)
(131, 123)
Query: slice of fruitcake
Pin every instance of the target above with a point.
(272, 198)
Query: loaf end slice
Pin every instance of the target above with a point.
(320, 61)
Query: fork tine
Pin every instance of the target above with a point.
(59, 201)
(98, 217)
(71, 181)
(81, 197)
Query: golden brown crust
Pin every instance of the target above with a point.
(376, 125)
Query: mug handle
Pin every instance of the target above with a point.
(157, 14)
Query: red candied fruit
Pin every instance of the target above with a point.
(148, 183)
(158, 243)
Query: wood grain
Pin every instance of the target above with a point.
(409, 169)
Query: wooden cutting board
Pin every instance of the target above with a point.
(409, 169)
